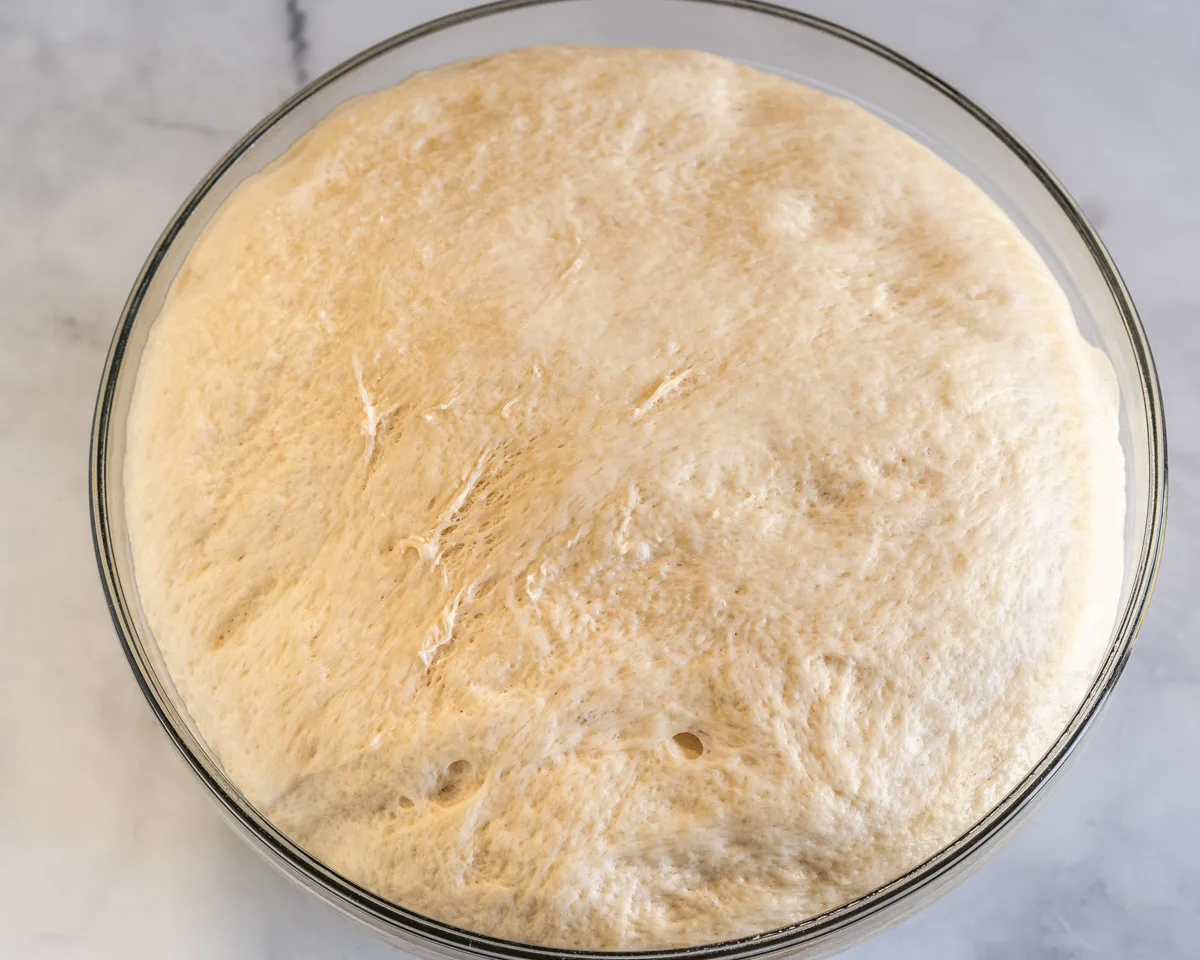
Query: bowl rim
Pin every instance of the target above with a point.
(386, 916)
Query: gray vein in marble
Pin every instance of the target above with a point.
(296, 23)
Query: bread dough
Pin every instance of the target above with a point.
(621, 498)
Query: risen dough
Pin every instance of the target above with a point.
(546, 407)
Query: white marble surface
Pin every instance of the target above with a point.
(110, 111)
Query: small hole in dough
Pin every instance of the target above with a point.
(455, 783)
(689, 745)
(405, 803)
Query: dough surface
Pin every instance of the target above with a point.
(620, 498)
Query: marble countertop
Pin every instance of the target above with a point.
(110, 111)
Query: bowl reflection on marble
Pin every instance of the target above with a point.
(805, 49)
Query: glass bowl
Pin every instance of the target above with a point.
(804, 48)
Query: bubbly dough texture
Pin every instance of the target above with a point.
(620, 498)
